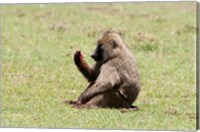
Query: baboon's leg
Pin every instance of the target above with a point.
(109, 99)
(105, 82)
(73, 102)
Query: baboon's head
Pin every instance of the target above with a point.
(109, 45)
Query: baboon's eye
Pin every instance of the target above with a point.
(114, 44)
(100, 45)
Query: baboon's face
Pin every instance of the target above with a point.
(98, 53)
(108, 46)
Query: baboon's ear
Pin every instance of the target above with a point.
(113, 43)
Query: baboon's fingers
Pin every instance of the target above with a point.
(71, 102)
(78, 56)
(78, 53)
(82, 99)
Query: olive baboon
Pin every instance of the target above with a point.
(113, 79)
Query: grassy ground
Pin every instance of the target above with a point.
(38, 73)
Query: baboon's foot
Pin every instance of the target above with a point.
(132, 108)
(83, 106)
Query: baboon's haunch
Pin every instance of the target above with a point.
(113, 79)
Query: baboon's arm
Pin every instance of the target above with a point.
(106, 81)
(83, 66)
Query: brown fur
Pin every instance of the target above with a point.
(114, 80)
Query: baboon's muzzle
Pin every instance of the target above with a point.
(97, 54)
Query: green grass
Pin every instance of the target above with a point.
(38, 73)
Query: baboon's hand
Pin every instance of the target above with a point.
(81, 99)
(71, 102)
(78, 56)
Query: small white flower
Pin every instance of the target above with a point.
(41, 5)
